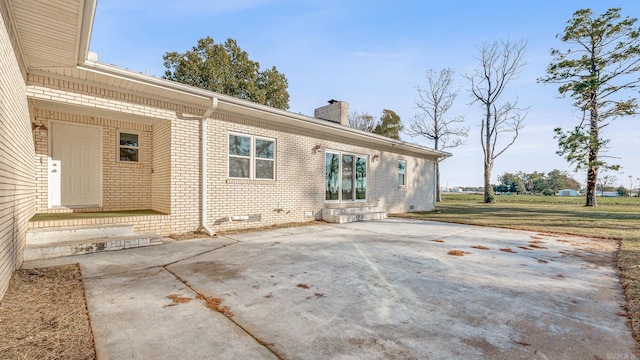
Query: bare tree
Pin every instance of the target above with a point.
(434, 101)
(500, 63)
(362, 121)
(606, 182)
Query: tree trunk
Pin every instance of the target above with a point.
(438, 192)
(594, 146)
(592, 175)
(489, 195)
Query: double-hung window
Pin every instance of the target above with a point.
(128, 147)
(402, 172)
(251, 157)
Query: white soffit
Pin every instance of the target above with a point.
(48, 31)
(43, 104)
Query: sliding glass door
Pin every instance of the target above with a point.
(345, 177)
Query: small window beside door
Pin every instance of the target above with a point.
(128, 147)
(402, 173)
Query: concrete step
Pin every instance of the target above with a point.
(351, 210)
(62, 234)
(348, 215)
(87, 246)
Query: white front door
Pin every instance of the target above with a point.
(74, 165)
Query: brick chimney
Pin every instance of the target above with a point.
(336, 111)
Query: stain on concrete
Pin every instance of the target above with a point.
(215, 271)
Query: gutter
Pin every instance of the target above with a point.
(232, 105)
(203, 167)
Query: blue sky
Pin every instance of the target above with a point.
(373, 54)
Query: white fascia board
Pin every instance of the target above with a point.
(250, 109)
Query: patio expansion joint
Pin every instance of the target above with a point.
(227, 314)
(164, 266)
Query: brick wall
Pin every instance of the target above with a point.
(161, 167)
(168, 178)
(125, 186)
(16, 157)
(185, 175)
(299, 184)
(336, 111)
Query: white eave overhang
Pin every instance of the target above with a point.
(54, 37)
(53, 33)
(116, 78)
(227, 104)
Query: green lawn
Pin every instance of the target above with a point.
(613, 218)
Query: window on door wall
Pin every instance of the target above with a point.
(345, 177)
(251, 157)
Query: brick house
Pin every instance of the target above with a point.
(80, 136)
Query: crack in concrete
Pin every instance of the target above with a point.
(163, 265)
(202, 297)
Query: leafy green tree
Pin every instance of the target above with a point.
(434, 102)
(500, 63)
(558, 180)
(389, 125)
(227, 69)
(622, 191)
(534, 182)
(595, 71)
(512, 182)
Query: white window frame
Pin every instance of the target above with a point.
(404, 174)
(118, 146)
(252, 156)
(355, 156)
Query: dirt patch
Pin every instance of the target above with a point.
(524, 247)
(536, 246)
(177, 299)
(43, 315)
(480, 247)
(215, 303)
(507, 250)
(215, 271)
(190, 235)
(438, 240)
(303, 286)
(456, 253)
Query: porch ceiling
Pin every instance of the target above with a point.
(50, 33)
(122, 115)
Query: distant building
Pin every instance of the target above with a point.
(568, 192)
(610, 194)
(455, 190)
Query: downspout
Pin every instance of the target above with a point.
(203, 167)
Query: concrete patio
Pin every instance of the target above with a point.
(377, 290)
